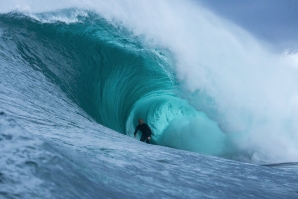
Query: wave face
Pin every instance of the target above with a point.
(117, 74)
(113, 77)
(228, 100)
(68, 77)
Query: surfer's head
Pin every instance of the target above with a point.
(140, 121)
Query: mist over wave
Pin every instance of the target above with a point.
(76, 75)
(202, 83)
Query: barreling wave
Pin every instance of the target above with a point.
(62, 71)
(220, 94)
(112, 75)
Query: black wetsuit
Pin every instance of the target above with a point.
(146, 132)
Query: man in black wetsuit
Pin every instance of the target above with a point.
(145, 129)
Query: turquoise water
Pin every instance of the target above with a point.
(114, 78)
(71, 93)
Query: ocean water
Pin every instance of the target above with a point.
(76, 76)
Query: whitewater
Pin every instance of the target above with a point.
(75, 76)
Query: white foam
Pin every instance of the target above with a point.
(253, 91)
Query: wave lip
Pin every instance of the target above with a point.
(54, 72)
(110, 65)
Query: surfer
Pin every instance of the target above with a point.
(145, 129)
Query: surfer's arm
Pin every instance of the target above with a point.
(137, 128)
